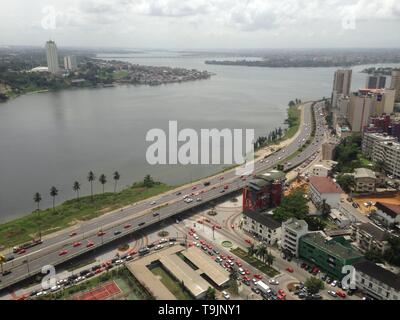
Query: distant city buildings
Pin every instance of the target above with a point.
(70, 63)
(52, 57)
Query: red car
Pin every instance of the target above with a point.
(21, 251)
(73, 234)
(230, 258)
(282, 293)
(202, 242)
(247, 272)
(200, 221)
(226, 187)
(281, 297)
(258, 276)
(192, 230)
(217, 226)
(63, 253)
(76, 244)
(222, 178)
(99, 270)
(341, 294)
(194, 188)
(248, 241)
(132, 252)
(90, 244)
(101, 233)
(238, 263)
(209, 246)
(207, 220)
(222, 257)
(290, 269)
(128, 226)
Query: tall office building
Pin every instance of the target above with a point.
(70, 63)
(395, 84)
(341, 85)
(376, 81)
(52, 57)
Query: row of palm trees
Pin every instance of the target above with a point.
(37, 198)
(261, 251)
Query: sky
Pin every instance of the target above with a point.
(201, 24)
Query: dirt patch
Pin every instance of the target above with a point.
(395, 199)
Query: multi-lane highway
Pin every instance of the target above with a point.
(94, 233)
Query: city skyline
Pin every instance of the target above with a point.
(203, 24)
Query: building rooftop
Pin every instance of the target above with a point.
(325, 185)
(376, 232)
(264, 219)
(295, 224)
(331, 246)
(392, 210)
(364, 173)
(379, 273)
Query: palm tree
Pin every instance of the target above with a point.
(116, 179)
(91, 177)
(103, 180)
(76, 187)
(37, 198)
(261, 252)
(269, 259)
(251, 250)
(54, 193)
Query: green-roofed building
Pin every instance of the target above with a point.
(329, 254)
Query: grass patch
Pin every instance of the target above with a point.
(72, 211)
(120, 75)
(256, 263)
(172, 285)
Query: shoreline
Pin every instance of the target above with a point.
(258, 154)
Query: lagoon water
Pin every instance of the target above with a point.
(53, 139)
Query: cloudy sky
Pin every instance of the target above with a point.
(202, 24)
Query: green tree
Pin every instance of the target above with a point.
(346, 182)
(314, 285)
(116, 178)
(261, 252)
(91, 177)
(291, 103)
(37, 198)
(251, 250)
(148, 181)
(374, 256)
(76, 187)
(211, 294)
(54, 194)
(269, 259)
(103, 180)
(293, 206)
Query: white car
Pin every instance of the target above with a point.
(55, 288)
(226, 295)
(158, 247)
(332, 293)
(196, 236)
(334, 283)
(241, 271)
(163, 240)
(199, 199)
(119, 262)
(274, 282)
(153, 203)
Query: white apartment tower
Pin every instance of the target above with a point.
(52, 57)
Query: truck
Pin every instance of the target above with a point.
(27, 245)
(263, 287)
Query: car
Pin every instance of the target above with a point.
(217, 226)
(117, 232)
(153, 203)
(255, 290)
(248, 241)
(222, 191)
(156, 214)
(290, 270)
(258, 276)
(22, 251)
(118, 262)
(241, 271)
(216, 251)
(341, 294)
(281, 293)
(238, 263)
(63, 253)
(221, 178)
(222, 257)
(89, 244)
(6, 273)
(273, 282)
(232, 226)
(55, 288)
(247, 272)
(226, 295)
(199, 199)
(101, 233)
(77, 244)
(127, 226)
(332, 293)
(281, 297)
(141, 224)
(334, 283)
(73, 234)
(195, 236)
(304, 265)
(179, 193)
(226, 187)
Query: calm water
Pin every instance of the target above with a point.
(56, 138)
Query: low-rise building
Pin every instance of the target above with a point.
(376, 281)
(340, 219)
(369, 141)
(328, 151)
(325, 189)
(323, 168)
(329, 254)
(364, 180)
(292, 231)
(263, 226)
(388, 214)
(370, 237)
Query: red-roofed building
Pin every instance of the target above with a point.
(324, 188)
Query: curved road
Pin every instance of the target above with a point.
(122, 222)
